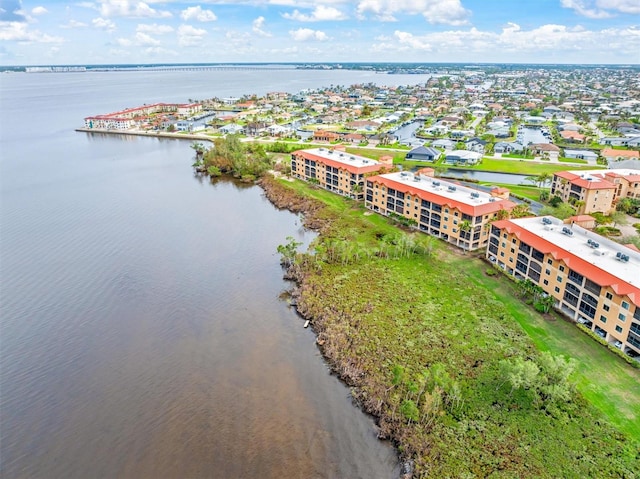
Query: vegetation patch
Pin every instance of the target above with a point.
(434, 347)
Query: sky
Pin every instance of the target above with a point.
(52, 32)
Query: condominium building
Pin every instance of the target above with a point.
(455, 213)
(334, 170)
(592, 279)
(596, 190)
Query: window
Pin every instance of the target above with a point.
(547, 271)
(618, 329)
(546, 282)
(621, 317)
(625, 305)
(559, 279)
(609, 296)
(603, 319)
(549, 261)
(561, 268)
(605, 307)
(556, 289)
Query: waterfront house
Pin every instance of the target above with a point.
(612, 155)
(463, 157)
(593, 280)
(423, 153)
(231, 129)
(589, 155)
(508, 147)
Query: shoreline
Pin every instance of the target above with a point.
(157, 134)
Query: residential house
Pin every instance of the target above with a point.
(589, 155)
(612, 155)
(475, 144)
(455, 213)
(444, 144)
(572, 136)
(423, 153)
(508, 147)
(545, 149)
(463, 157)
(328, 136)
(232, 129)
(592, 279)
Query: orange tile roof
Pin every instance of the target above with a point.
(340, 164)
(612, 152)
(576, 263)
(577, 180)
(472, 210)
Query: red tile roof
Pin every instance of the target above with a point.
(472, 210)
(579, 265)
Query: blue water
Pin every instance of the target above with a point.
(142, 334)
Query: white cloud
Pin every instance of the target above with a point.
(319, 14)
(198, 14)
(550, 39)
(130, 8)
(581, 7)
(258, 27)
(602, 8)
(124, 42)
(39, 11)
(306, 34)
(449, 12)
(104, 24)
(189, 36)
(19, 32)
(623, 6)
(154, 28)
(74, 24)
(159, 51)
(144, 39)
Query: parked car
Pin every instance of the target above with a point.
(618, 344)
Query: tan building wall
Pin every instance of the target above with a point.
(432, 217)
(578, 297)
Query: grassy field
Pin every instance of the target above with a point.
(531, 192)
(421, 332)
(603, 378)
(523, 167)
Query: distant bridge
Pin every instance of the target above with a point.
(194, 68)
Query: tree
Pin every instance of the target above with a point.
(555, 201)
(465, 227)
(618, 217)
(521, 210)
(288, 251)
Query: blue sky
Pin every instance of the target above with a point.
(34, 32)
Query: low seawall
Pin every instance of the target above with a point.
(154, 134)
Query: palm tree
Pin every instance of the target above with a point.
(465, 228)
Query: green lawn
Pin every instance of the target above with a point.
(378, 304)
(524, 167)
(604, 379)
(531, 192)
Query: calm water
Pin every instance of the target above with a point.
(141, 331)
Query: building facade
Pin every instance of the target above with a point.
(334, 170)
(596, 190)
(454, 213)
(592, 280)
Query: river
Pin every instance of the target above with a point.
(142, 334)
